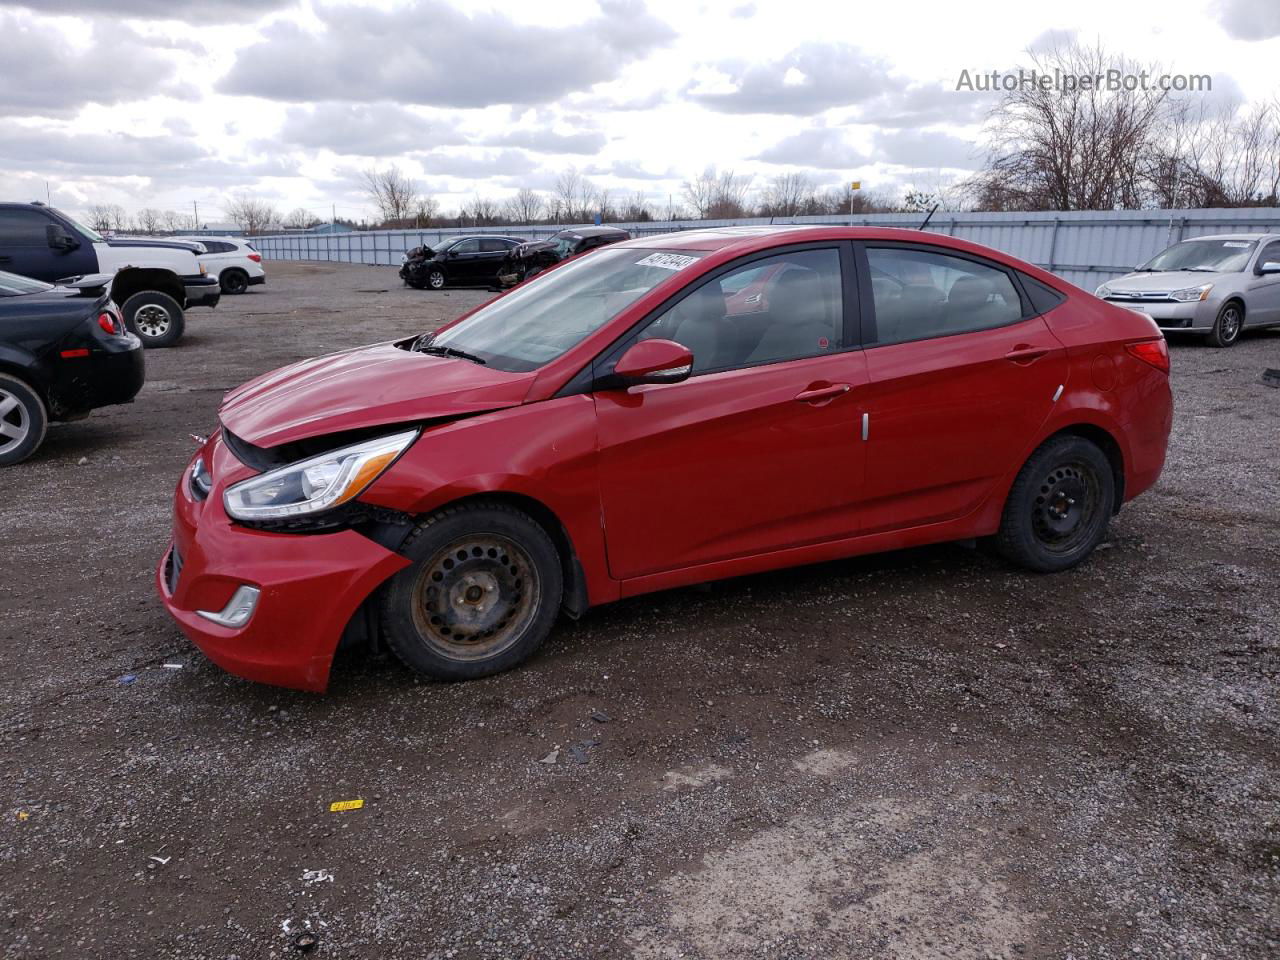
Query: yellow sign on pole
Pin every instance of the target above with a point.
(856, 185)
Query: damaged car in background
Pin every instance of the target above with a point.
(528, 260)
(457, 261)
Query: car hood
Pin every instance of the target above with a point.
(365, 387)
(1162, 282)
(530, 247)
(189, 246)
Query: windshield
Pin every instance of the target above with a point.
(12, 285)
(87, 232)
(564, 244)
(538, 322)
(1216, 256)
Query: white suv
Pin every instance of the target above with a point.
(234, 261)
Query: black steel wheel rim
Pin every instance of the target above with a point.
(1065, 507)
(476, 596)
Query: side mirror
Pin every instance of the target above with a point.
(1271, 266)
(654, 361)
(59, 239)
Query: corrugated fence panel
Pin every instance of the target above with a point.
(1084, 247)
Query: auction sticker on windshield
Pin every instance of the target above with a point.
(667, 261)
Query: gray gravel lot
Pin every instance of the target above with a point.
(924, 754)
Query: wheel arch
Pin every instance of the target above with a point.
(131, 280)
(575, 601)
(1107, 443)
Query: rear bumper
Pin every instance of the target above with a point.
(260, 278)
(113, 373)
(310, 586)
(202, 291)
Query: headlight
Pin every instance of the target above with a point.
(204, 271)
(310, 486)
(1103, 291)
(1187, 294)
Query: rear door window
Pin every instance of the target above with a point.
(919, 294)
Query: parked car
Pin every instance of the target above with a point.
(1216, 286)
(610, 429)
(64, 351)
(154, 281)
(530, 259)
(234, 261)
(456, 261)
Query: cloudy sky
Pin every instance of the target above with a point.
(162, 102)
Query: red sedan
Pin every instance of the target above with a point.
(613, 427)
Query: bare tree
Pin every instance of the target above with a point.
(102, 216)
(148, 220)
(119, 218)
(300, 218)
(394, 194)
(788, 195)
(480, 211)
(636, 208)
(426, 211)
(526, 206)
(574, 197)
(176, 222)
(1079, 147)
(249, 213)
(717, 194)
(1217, 156)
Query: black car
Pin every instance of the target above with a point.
(64, 351)
(530, 259)
(457, 261)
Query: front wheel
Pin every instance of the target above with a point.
(1059, 506)
(481, 594)
(1228, 326)
(155, 317)
(23, 420)
(435, 279)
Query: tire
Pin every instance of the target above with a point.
(234, 282)
(1228, 326)
(155, 317)
(435, 278)
(480, 597)
(1041, 528)
(23, 420)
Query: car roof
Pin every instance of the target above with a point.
(759, 237)
(1233, 236)
(591, 231)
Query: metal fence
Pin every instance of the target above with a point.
(1084, 247)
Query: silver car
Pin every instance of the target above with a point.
(1215, 286)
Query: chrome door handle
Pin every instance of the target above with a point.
(818, 394)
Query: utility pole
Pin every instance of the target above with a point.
(855, 186)
(47, 195)
(195, 215)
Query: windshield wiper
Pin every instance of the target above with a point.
(438, 351)
(1201, 269)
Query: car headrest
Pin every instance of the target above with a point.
(969, 293)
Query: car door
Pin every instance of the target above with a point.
(1262, 298)
(25, 247)
(492, 252)
(760, 449)
(962, 376)
(464, 261)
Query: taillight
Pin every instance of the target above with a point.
(255, 257)
(108, 324)
(1154, 352)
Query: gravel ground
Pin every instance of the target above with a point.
(924, 754)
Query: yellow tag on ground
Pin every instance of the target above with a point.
(339, 805)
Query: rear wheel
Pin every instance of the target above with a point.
(1058, 507)
(23, 420)
(1228, 326)
(234, 281)
(481, 595)
(155, 317)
